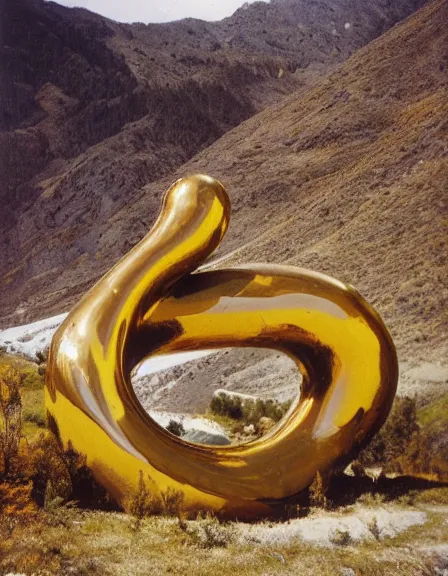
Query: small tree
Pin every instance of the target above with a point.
(10, 417)
(173, 502)
(317, 492)
(144, 502)
(138, 505)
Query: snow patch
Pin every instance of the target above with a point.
(29, 339)
(199, 430)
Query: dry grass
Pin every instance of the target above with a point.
(32, 393)
(69, 541)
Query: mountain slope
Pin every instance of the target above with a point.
(92, 110)
(349, 180)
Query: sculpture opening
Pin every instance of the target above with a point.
(218, 397)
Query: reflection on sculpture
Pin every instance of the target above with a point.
(151, 303)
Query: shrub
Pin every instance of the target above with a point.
(10, 418)
(374, 529)
(85, 489)
(173, 501)
(49, 465)
(393, 440)
(341, 537)
(41, 469)
(176, 428)
(138, 503)
(209, 533)
(227, 405)
(317, 492)
(150, 502)
(371, 499)
(52, 500)
(404, 447)
(16, 500)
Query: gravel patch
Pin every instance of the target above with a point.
(320, 529)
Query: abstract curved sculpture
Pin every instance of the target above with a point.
(153, 303)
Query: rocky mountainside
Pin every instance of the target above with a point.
(349, 179)
(91, 111)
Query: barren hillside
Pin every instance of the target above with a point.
(349, 179)
(92, 110)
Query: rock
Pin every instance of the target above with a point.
(265, 424)
(201, 437)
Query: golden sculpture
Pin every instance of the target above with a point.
(152, 302)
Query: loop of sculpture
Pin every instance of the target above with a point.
(154, 303)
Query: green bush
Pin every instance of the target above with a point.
(176, 428)
(408, 444)
(247, 411)
(227, 405)
(394, 438)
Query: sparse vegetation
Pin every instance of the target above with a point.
(45, 521)
(371, 498)
(361, 158)
(35, 470)
(144, 502)
(242, 412)
(31, 393)
(210, 533)
(411, 442)
(317, 492)
(341, 537)
(148, 501)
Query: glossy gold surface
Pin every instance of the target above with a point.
(152, 303)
